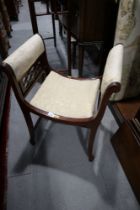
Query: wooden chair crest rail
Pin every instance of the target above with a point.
(68, 100)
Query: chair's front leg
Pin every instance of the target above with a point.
(30, 125)
(91, 137)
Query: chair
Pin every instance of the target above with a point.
(74, 101)
(34, 15)
(51, 9)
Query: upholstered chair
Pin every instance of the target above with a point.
(75, 101)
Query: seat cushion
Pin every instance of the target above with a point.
(67, 97)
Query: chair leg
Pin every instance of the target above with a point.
(33, 16)
(74, 54)
(30, 126)
(69, 44)
(60, 30)
(81, 60)
(54, 31)
(91, 137)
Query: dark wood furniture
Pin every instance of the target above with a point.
(126, 141)
(13, 8)
(125, 109)
(91, 22)
(3, 91)
(52, 10)
(23, 71)
(34, 14)
(5, 29)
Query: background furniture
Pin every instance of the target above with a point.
(91, 23)
(126, 141)
(52, 10)
(13, 8)
(5, 32)
(34, 15)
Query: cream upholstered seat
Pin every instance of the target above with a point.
(67, 97)
(78, 101)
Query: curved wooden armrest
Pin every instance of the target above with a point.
(85, 122)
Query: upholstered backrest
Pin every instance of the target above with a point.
(22, 59)
(113, 68)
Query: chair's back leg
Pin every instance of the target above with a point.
(33, 16)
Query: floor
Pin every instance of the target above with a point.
(55, 174)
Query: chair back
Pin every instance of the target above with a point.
(26, 64)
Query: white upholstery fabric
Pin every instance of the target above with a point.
(113, 67)
(22, 59)
(67, 97)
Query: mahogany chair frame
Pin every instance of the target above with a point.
(41, 67)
